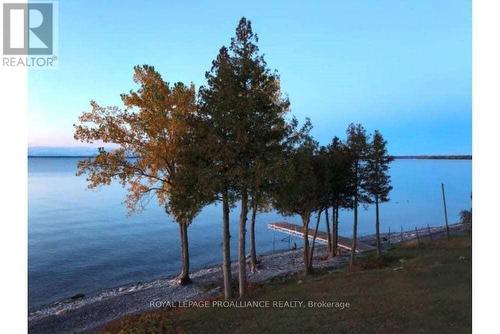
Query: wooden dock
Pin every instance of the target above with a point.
(321, 237)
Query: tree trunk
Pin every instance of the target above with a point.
(242, 248)
(377, 227)
(334, 246)
(336, 241)
(253, 251)
(354, 231)
(329, 237)
(184, 276)
(305, 222)
(226, 249)
(314, 239)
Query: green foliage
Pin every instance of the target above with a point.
(378, 182)
(358, 146)
(340, 177)
(298, 185)
(244, 113)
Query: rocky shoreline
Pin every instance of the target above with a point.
(90, 313)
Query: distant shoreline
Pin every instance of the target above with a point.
(398, 157)
(62, 156)
(434, 157)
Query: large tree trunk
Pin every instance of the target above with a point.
(184, 276)
(354, 230)
(242, 248)
(253, 251)
(329, 237)
(314, 239)
(226, 249)
(305, 222)
(377, 227)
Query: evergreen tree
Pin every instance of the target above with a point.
(297, 190)
(217, 102)
(378, 183)
(341, 185)
(357, 144)
(245, 109)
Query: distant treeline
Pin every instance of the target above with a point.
(435, 157)
(61, 156)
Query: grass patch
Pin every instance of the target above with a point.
(425, 289)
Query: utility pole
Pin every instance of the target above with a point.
(445, 212)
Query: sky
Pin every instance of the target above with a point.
(401, 67)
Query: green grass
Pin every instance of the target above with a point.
(411, 290)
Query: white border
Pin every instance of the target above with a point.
(486, 107)
(486, 102)
(13, 196)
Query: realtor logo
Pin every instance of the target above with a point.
(29, 37)
(28, 29)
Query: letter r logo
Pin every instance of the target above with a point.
(28, 29)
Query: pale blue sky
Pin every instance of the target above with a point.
(402, 67)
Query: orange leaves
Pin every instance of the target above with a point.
(152, 133)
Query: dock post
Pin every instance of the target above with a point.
(389, 236)
(445, 212)
(402, 237)
(429, 231)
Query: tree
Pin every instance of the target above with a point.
(217, 101)
(261, 127)
(466, 217)
(245, 109)
(323, 173)
(152, 134)
(378, 183)
(357, 144)
(260, 202)
(189, 190)
(296, 193)
(341, 184)
(331, 170)
(271, 131)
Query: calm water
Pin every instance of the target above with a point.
(81, 241)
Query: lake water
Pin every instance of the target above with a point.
(82, 241)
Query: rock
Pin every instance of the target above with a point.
(78, 296)
(397, 268)
(300, 281)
